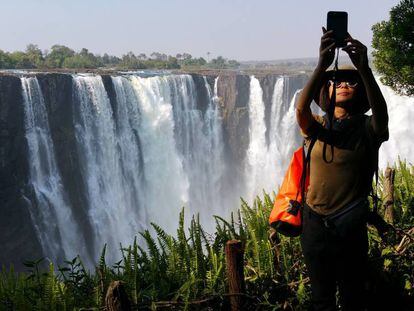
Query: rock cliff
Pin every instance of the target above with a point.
(18, 236)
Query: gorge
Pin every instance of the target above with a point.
(92, 159)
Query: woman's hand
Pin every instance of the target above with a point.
(357, 53)
(326, 49)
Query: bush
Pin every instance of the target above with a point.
(190, 265)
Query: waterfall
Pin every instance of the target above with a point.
(112, 210)
(166, 184)
(182, 149)
(257, 151)
(149, 146)
(51, 214)
(266, 164)
(400, 125)
(211, 152)
(127, 120)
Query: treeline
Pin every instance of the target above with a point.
(61, 56)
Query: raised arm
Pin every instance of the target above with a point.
(358, 54)
(326, 56)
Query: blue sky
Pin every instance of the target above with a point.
(243, 30)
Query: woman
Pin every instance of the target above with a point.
(334, 237)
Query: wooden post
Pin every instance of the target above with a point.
(389, 195)
(273, 238)
(116, 297)
(235, 275)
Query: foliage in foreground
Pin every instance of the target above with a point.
(187, 271)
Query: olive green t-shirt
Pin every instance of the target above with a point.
(347, 174)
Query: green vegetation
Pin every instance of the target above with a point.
(61, 56)
(393, 41)
(190, 266)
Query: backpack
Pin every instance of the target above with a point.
(286, 215)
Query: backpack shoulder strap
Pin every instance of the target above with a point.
(373, 148)
(306, 155)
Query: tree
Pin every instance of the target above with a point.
(20, 60)
(109, 60)
(130, 61)
(5, 60)
(233, 64)
(142, 56)
(57, 56)
(106, 59)
(201, 61)
(186, 56)
(218, 63)
(156, 55)
(35, 55)
(393, 42)
(83, 59)
(172, 63)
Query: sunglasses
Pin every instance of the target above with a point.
(351, 84)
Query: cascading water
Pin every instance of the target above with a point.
(265, 163)
(112, 211)
(150, 150)
(400, 125)
(200, 144)
(166, 184)
(256, 153)
(181, 148)
(215, 165)
(57, 231)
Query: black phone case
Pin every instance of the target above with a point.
(338, 22)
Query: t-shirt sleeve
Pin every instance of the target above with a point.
(317, 123)
(378, 139)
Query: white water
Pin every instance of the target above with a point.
(265, 164)
(256, 154)
(401, 128)
(57, 231)
(151, 156)
(154, 152)
(111, 206)
(181, 149)
(166, 185)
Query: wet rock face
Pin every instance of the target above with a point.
(290, 85)
(17, 234)
(267, 83)
(233, 92)
(61, 105)
(202, 101)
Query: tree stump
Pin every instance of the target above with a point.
(116, 297)
(389, 195)
(235, 274)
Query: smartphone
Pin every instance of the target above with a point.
(338, 22)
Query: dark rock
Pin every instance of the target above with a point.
(18, 238)
(201, 92)
(61, 104)
(267, 84)
(110, 90)
(233, 92)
